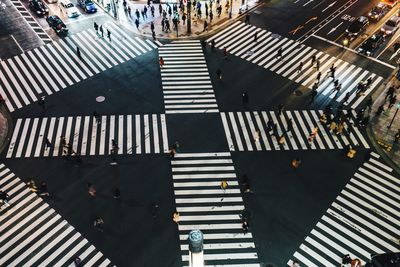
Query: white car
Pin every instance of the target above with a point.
(70, 9)
(391, 25)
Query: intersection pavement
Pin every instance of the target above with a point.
(210, 144)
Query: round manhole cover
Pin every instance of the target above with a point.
(298, 93)
(100, 99)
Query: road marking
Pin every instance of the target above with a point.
(329, 6)
(334, 28)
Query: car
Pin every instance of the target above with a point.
(378, 11)
(357, 26)
(70, 9)
(38, 7)
(391, 3)
(57, 25)
(87, 5)
(391, 25)
(372, 44)
(51, 1)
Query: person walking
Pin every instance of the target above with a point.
(295, 163)
(313, 59)
(78, 262)
(109, 35)
(319, 77)
(247, 19)
(5, 198)
(219, 74)
(96, 27)
(224, 185)
(255, 36)
(152, 11)
(98, 223)
(117, 193)
(176, 217)
(152, 27)
(380, 110)
(397, 136)
(279, 53)
(91, 190)
(101, 31)
(43, 192)
(161, 62)
(42, 102)
(256, 136)
(129, 11)
(280, 109)
(332, 71)
(137, 14)
(300, 68)
(78, 53)
(332, 126)
(245, 226)
(289, 126)
(318, 64)
(160, 9)
(47, 144)
(205, 28)
(225, 52)
(212, 45)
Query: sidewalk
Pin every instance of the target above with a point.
(197, 25)
(384, 136)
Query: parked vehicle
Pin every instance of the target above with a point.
(88, 6)
(391, 25)
(38, 7)
(372, 44)
(70, 9)
(57, 25)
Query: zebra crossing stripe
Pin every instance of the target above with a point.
(33, 234)
(362, 221)
(251, 129)
(86, 136)
(27, 76)
(204, 205)
(263, 51)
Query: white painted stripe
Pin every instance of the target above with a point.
(203, 184)
(129, 148)
(138, 135)
(155, 134)
(121, 134)
(236, 131)
(14, 82)
(103, 135)
(193, 192)
(14, 138)
(45, 72)
(227, 132)
(316, 256)
(296, 131)
(164, 133)
(85, 135)
(201, 168)
(146, 133)
(240, 235)
(22, 138)
(203, 161)
(112, 135)
(262, 130)
(216, 208)
(50, 136)
(39, 144)
(203, 155)
(93, 138)
(253, 130)
(76, 134)
(28, 75)
(208, 200)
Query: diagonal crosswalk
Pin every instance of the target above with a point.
(185, 79)
(86, 135)
(33, 234)
(55, 66)
(363, 220)
(241, 127)
(203, 204)
(239, 40)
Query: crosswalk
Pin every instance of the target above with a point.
(31, 21)
(86, 135)
(34, 234)
(363, 220)
(186, 82)
(203, 204)
(55, 66)
(241, 127)
(239, 40)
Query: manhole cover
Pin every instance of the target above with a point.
(100, 99)
(298, 93)
(257, 12)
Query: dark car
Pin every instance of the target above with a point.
(88, 6)
(57, 24)
(370, 46)
(357, 27)
(378, 11)
(38, 7)
(385, 260)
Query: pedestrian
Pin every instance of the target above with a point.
(289, 125)
(176, 146)
(32, 185)
(175, 217)
(224, 185)
(313, 95)
(392, 101)
(96, 27)
(225, 53)
(281, 140)
(91, 190)
(167, 26)
(152, 11)
(137, 14)
(98, 223)
(256, 136)
(390, 92)
(109, 35)
(43, 192)
(379, 110)
(212, 45)
(172, 152)
(397, 136)
(295, 163)
(312, 135)
(160, 9)
(295, 264)
(143, 15)
(117, 193)
(219, 74)
(211, 16)
(47, 144)
(332, 126)
(346, 97)
(245, 98)
(78, 262)
(318, 64)
(338, 88)
(145, 11)
(161, 62)
(101, 31)
(5, 198)
(255, 36)
(152, 27)
(42, 103)
(96, 117)
(313, 59)
(153, 33)
(332, 71)
(78, 52)
(205, 28)
(319, 77)
(351, 152)
(299, 69)
(245, 226)
(184, 18)
(279, 53)
(247, 19)
(129, 11)
(280, 109)
(340, 128)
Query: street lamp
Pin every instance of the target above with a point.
(394, 116)
(196, 256)
(189, 6)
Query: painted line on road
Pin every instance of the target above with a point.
(12, 36)
(352, 50)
